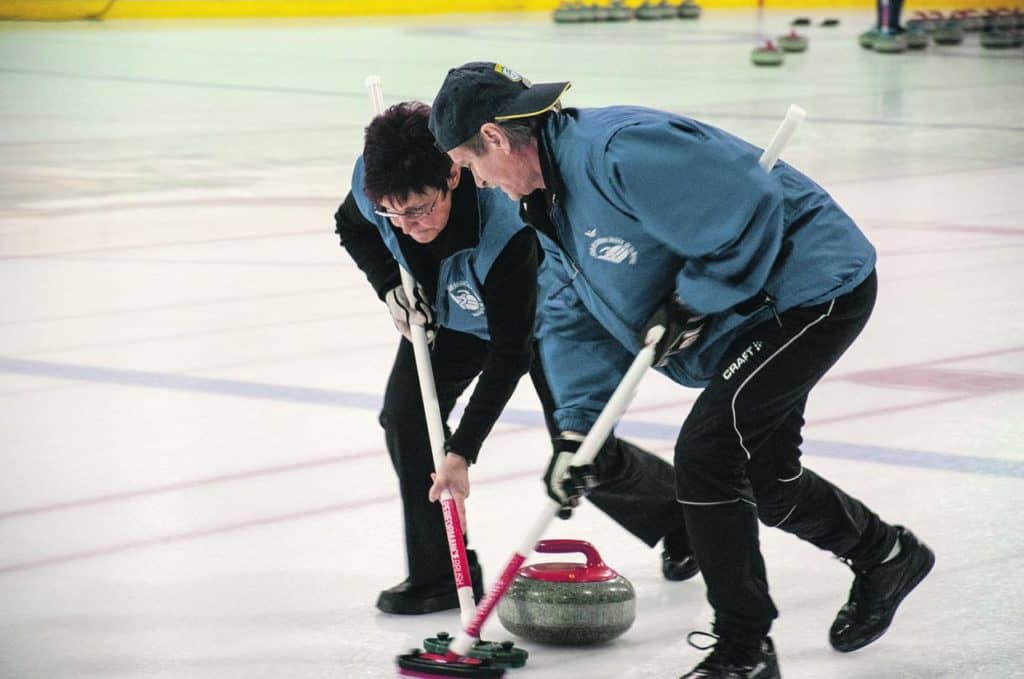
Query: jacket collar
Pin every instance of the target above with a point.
(546, 135)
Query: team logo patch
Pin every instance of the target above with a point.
(509, 73)
(613, 249)
(466, 298)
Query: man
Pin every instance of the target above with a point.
(761, 282)
(477, 267)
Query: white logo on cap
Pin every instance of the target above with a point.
(510, 74)
(507, 72)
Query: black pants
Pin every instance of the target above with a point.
(895, 9)
(637, 489)
(738, 460)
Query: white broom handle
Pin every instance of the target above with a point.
(794, 116)
(431, 410)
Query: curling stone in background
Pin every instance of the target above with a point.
(867, 38)
(689, 10)
(951, 32)
(793, 42)
(916, 38)
(995, 39)
(970, 20)
(649, 11)
(569, 604)
(887, 42)
(767, 54)
(618, 11)
(1000, 31)
(567, 13)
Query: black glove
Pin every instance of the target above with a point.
(682, 328)
(565, 483)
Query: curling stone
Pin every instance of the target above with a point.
(587, 11)
(1005, 20)
(793, 42)
(888, 42)
(566, 13)
(648, 11)
(867, 38)
(949, 33)
(998, 39)
(568, 604)
(618, 11)
(830, 22)
(767, 55)
(668, 10)
(800, 21)
(971, 21)
(689, 10)
(926, 21)
(916, 39)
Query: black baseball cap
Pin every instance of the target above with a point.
(481, 92)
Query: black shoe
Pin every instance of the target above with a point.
(677, 560)
(732, 662)
(877, 592)
(406, 598)
(678, 569)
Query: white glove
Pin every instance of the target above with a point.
(403, 313)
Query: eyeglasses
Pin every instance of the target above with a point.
(411, 213)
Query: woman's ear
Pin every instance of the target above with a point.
(454, 177)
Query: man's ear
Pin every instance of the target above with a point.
(454, 177)
(494, 136)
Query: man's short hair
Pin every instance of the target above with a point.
(399, 154)
(520, 132)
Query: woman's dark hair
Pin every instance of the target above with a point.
(399, 154)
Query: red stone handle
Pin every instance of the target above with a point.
(564, 546)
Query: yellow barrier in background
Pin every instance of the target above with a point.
(179, 9)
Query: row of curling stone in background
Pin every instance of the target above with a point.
(971, 20)
(773, 53)
(618, 10)
(999, 29)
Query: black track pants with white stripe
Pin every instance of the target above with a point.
(737, 460)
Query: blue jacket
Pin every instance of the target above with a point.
(646, 203)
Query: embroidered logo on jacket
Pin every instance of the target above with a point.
(612, 249)
(747, 354)
(466, 298)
